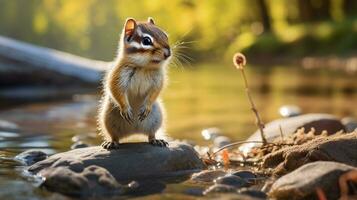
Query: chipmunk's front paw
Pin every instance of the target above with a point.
(110, 145)
(144, 112)
(161, 143)
(127, 114)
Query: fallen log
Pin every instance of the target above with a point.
(26, 55)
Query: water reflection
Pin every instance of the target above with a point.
(206, 96)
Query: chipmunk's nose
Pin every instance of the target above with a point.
(167, 53)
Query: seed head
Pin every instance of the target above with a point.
(239, 60)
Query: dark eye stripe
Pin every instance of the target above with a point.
(135, 50)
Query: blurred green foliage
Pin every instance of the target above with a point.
(211, 28)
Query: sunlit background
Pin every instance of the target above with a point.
(91, 28)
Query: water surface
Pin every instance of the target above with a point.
(197, 97)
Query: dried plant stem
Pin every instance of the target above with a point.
(281, 134)
(242, 142)
(259, 122)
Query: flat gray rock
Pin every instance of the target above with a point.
(319, 122)
(91, 182)
(132, 161)
(302, 183)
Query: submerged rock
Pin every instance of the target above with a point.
(231, 180)
(92, 181)
(246, 175)
(131, 162)
(220, 188)
(253, 193)
(339, 148)
(207, 175)
(302, 183)
(30, 157)
(319, 122)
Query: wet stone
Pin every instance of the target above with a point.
(219, 188)
(350, 124)
(92, 181)
(211, 133)
(253, 193)
(137, 161)
(231, 180)
(30, 157)
(78, 145)
(246, 175)
(221, 141)
(207, 175)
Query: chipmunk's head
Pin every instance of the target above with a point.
(145, 44)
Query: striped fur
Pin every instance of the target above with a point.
(133, 84)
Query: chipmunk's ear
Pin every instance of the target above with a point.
(151, 21)
(130, 26)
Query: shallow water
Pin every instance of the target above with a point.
(196, 98)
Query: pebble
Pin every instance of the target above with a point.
(246, 175)
(219, 188)
(30, 157)
(78, 145)
(289, 111)
(350, 124)
(207, 175)
(221, 141)
(231, 180)
(211, 133)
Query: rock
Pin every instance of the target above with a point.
(207, 175)
(253, 193)
(221, 141)
(350, 124)
(319, 122)
(246, 175)
(339, 148)
(131, 162)
(302, 183)
(211, 133)
(92, 181)
(289, 111)
(30, 157)
(78, 145)
(220, 188)
(231, 180)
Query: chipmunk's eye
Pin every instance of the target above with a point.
(146, 41)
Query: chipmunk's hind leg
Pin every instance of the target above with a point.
(158, 142)
(110, 145)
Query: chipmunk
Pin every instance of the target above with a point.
(130, 102)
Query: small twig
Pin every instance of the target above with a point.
(242, 142)
(239, 61)
(281, 134)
